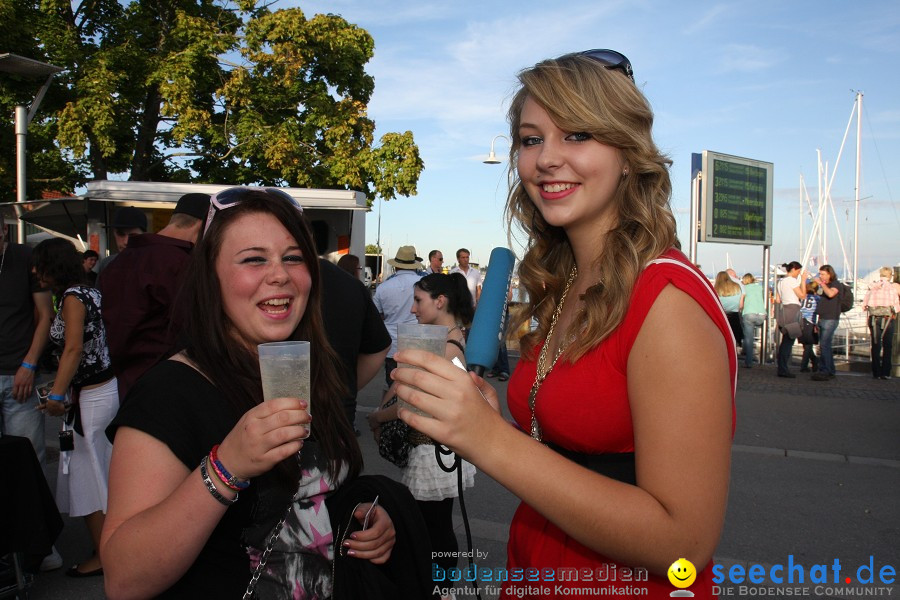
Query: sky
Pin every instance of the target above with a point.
(767, 80)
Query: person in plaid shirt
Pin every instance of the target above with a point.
(882, 302)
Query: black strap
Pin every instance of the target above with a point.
(618, 466)
(457, 344)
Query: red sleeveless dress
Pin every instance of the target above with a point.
(600, 423)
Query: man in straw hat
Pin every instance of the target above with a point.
(394, 299)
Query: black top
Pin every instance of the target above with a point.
(178, 406)
(17, 284)
(352, 322)
(830, 308)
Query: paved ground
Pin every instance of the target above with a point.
(815, 477)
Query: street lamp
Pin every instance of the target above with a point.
(35, 69)
(492, 157)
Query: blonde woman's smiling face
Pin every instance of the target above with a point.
(570, 176)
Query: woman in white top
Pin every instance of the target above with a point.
(790, 290)
(437, 300)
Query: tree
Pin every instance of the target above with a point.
(219, 92)
(48, 166)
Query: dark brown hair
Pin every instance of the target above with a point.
(234, 369)
(57, 261)
(832, 276)
(349, 263)
(455, 288)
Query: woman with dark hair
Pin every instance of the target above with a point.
(790, 291)
(438, 299)
(625, 391)
(829, 311)
(178, 530)
(350, 264)
(85, 369)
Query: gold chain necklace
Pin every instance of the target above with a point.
(541, 369)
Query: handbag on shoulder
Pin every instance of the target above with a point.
(394, 444)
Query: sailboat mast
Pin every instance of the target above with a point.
(856, 202)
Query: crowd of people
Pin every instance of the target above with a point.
(155, 361)
(807, 308)
(191, 485)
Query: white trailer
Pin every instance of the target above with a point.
(338, 216)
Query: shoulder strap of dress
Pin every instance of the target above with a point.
(457, 344)
(671, 261)
(708, 287)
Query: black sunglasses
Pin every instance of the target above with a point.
(611, 60)
(232, 197)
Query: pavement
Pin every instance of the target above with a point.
(815, 478)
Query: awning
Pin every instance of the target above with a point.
(64, 216)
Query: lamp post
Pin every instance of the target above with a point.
(492, 157)
(25, 67)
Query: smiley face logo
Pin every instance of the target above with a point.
(682, 573)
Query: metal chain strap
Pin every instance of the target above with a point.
(270, 544)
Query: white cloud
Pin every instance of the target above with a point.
(705, 21)
(746, 58)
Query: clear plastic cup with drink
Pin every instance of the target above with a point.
(284, 368)
(413, 336)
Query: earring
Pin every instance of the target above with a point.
(624, 173)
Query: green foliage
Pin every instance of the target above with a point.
(206, 91)
(372, 249)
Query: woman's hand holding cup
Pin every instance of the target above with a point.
(264, 436)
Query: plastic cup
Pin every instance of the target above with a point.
(284, 368)
(413, 336)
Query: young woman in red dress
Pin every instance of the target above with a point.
(624, 395)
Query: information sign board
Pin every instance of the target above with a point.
(736, 200)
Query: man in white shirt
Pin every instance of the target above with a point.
(394, 299)
(473, 276)
(791, 289)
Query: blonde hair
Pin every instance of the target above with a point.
(725, 286)
(886, 272)
(748, 278)
(581, 95)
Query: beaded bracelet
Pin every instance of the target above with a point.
(29, 366)
(221, 477)
(212, 486)
(223, 474)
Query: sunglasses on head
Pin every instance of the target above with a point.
(234, 195)
(611, 60)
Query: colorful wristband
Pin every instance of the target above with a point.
(57, 397)
(223, 474)
(212, 486)
(29, 366)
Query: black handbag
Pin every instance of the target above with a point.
(809, 333)
(393, 444)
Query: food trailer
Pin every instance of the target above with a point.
(337, 216)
